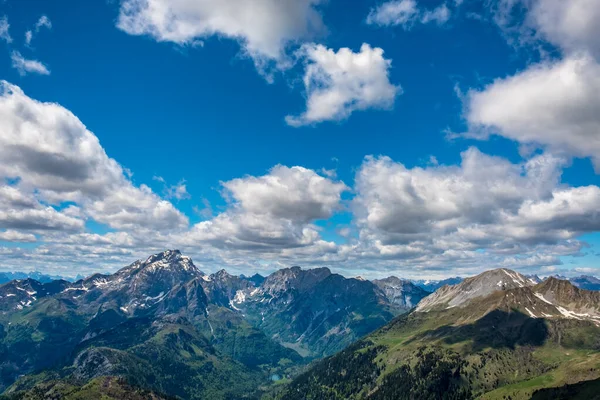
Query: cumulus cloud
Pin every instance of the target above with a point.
(263, 27)
(485, 210)
(54, 156)
(15, 236)
(569, 25)
(553, 104)
(272, 212)
(26, 66)
(339, 83)
(4, 30)
(21, 210)
(406, 13)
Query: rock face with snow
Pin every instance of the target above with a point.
(508, 291)
(478, 286)
(137, 287)
(318, 312)
(20, 294)
(221, 288)
(567, 301)
(401, 292)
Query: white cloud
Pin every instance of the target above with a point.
(552, 104)
(272, 212)
(39, 218)
(21, 210)
(339, 83)
(295, 193)
(4, 30)
(177, 192)
(43, 22)
(15, 236)
(439, 15)
(263, 27)
(572, 25)
(392, 13)
(569, 25)
(487, 210)
(25, 66)
(406, 13)
(54, 156)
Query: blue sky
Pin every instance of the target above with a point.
(193, 109)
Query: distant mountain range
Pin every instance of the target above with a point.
(161, 328)
(583, 282)
(432, 285)
(38, 276)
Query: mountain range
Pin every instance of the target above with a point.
(498, 335)
(223, 336)
(160, 328)
(38, 276)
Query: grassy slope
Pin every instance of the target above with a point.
(507, 354)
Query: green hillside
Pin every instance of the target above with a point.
(489, 348)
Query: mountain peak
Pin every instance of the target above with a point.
(165, 255)
(294, 277)
(167, 260)
(400, 292)
(220, 275)
(481, 285)
(559, 287)
(393, 280)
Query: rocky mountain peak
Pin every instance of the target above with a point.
(220, 275)
(555, 283)
(22, 293)
(400, 292)
(394, 280)
(170, 259)
(137, 286)
(256, 279)
(169, 262)
(564, 292)
(481, 285)
(294, 277)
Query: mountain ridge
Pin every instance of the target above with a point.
(497, 341)
(164, 308)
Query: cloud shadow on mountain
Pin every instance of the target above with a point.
(497, 329)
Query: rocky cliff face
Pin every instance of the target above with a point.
(401, 292)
